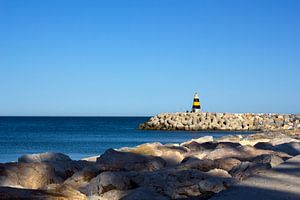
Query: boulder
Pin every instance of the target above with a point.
(182, 183)
(195, 163)
(91, 159)
(226, 163)
(206, 164)
(81, 179)
(195, 146)
(28, 175)
(68, 168)
(171, 153)
(63, 165)
(246, 169)
(111, 195)
(107, 181)
(59, 193)
(219, 180)
(291, 149)
(113, 160)
(264, 146)
(242, 153)
(65, 191)
(199, 140)
(272, 160)
(44, 157)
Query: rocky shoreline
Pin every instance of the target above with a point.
(198, 168)
(222, 121)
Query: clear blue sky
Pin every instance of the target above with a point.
(142, 57)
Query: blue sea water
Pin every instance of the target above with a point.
(80, 137)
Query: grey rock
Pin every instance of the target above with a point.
(113, 160)
(58, 193)
(44, 157)
(292, 148)
(246, 169)
(111, 195)
(27, 175)
(272, 160)
(195, 146)
(107, 181)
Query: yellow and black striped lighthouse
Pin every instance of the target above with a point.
(196, 103)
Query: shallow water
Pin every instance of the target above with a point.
(80, 137)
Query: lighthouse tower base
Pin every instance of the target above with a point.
(196, 110)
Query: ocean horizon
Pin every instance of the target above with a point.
(81, 136)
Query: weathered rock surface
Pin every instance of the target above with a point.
(178, 184)
(171, 153)
(111, 195)
(246, 169)
(270, 159)
(206, 164)
(80, 180)
(44, 157)
(113, 160)
(27, 175)
(62, 164)
(56, 193)
(107, 181)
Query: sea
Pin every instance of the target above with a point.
(81, 137)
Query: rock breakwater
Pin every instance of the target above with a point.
(222, 121)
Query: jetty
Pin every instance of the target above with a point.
(202, 121)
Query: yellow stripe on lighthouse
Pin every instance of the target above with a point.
(196, 103)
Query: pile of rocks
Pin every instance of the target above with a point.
(222, 121)
(194, 169)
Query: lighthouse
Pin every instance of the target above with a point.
(196, 103)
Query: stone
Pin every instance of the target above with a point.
(62, 164)
(112, 195)
(68, 168)
(199, 140)
(44, 157)
(107, 181)
(272, 160)
(59, 193)
(113, 160)
(242, 153)
(226, 164)
(219, 181)
(91, 159)
(174, 183)
(65, 191)
(27, 175)
(81, 179)
(264, 146)
(230, 138)
(195, 163)
(292, 148)
(171, 153)
(184, 183)
(195, 146)
(246, 169)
